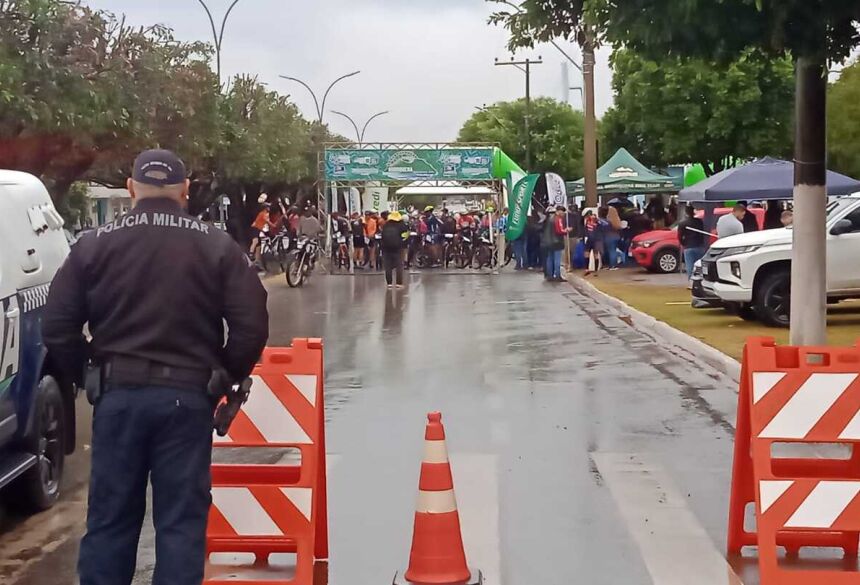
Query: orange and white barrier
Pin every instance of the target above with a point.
(275, 508)
(438, 556)
(790, 397)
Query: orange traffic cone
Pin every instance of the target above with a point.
(438, 556)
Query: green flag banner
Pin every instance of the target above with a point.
(518, 205)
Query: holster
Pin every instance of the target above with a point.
(94, 382)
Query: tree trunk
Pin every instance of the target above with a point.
(809, 250)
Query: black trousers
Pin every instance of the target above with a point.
(393, 262)
(162, 435)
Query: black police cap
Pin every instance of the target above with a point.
(159, 168)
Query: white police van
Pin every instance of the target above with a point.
(37, 410)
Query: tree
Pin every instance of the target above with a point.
(80, 92)
(812, 32)
(843, 122)
(556, 134)
(679, 110)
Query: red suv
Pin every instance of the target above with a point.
(660, 250)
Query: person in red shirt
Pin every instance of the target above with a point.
(559, 232)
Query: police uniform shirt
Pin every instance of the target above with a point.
(157, 284)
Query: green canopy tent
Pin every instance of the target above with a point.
(624, 174)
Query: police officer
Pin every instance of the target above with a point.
(156, 288)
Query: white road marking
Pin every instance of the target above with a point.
(675, 547)
(477, 487)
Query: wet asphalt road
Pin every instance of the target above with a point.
(583, 449)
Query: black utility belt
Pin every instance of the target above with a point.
(122, 371)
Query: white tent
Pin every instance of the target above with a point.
(451, 189)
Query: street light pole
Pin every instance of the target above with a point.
(322, 198)
(359, 134)
(218, 35)
(320, 106)
(528, 71)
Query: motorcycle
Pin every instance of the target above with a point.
(301, 262)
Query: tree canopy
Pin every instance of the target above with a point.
(556, 132)
(81, 92)
(843, 122)
(720, 30)
(694, 111)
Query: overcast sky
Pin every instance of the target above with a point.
(429, 62)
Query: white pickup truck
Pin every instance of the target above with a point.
(752, 271)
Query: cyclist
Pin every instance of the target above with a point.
(434, 232)
(340, 233)
(371, 226)
(356, 225)
(293, 217)
(380, 252)
(309, 226)
(449, 224)
(259, 228)
(414, 237)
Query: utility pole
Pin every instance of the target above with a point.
(359, 134)
(590, 148)
(525, 66)
(809, 248)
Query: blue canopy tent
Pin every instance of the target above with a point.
(764, 179)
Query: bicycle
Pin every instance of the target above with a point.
(340, 258)
(274, 248)
(447, 245)
(487, 253)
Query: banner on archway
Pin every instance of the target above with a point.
(409, 164)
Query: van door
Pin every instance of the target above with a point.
(843, 269)
(10, 332)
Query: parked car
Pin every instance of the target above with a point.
(37, 409)
(753, 270)
(702, 299)
(660, 250)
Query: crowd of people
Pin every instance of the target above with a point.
(593, 238)
(273, 220)
(425, 232)
(600, 239)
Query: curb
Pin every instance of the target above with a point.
(682, 342)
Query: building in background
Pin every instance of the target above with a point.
(106, 204)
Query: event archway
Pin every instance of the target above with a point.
(390, 166)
